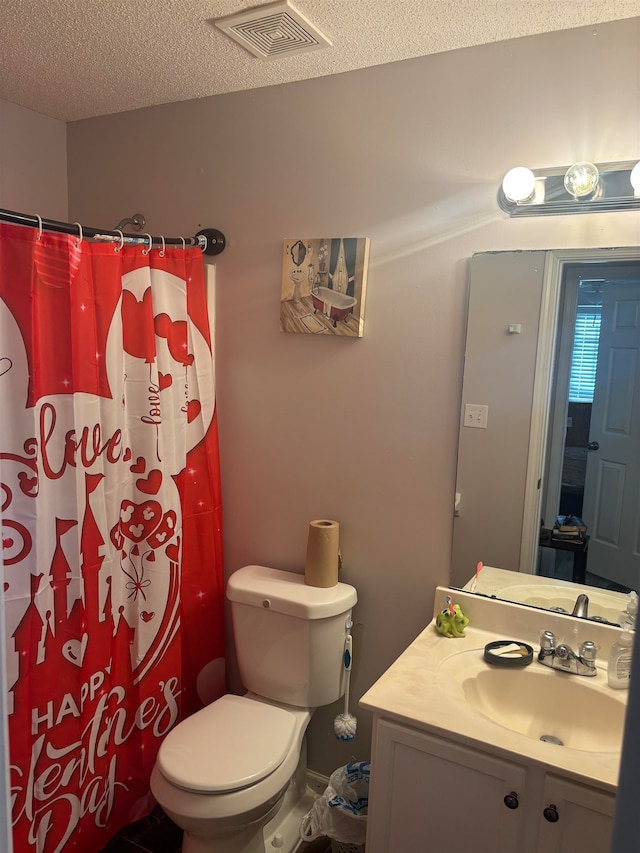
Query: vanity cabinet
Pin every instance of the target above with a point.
(428, 793)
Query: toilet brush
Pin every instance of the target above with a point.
(344, 725)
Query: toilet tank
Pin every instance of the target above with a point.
(289, 637)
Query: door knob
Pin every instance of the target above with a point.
(593, 445)
(511, 800)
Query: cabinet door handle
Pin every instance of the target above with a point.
(551, 813)
(511, 800)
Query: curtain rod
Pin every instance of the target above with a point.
(210, 240)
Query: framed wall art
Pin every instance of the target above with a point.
(323, 285)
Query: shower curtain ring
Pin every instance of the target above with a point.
(80, 235)
(39, 218)
(184, 243)
(162, 249)
(117, 248)
(146, 251)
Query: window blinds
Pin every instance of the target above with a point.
(584, 360)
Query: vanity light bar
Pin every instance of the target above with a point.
(616, 188)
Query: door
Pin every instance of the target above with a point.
(431, 794)
(574, 819)
(611, 506)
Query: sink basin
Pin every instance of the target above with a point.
(540, 703)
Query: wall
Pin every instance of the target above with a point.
(33, 178)
(411, 155)
(33, 162)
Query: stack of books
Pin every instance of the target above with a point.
(569, 528)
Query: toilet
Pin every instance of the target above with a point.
(233, 774)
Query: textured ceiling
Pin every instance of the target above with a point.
(74, 59)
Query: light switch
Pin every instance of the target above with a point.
(476, 415)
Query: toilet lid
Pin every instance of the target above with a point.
(230, 744)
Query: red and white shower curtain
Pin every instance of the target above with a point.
(111, 525)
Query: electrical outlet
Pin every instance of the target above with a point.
(476, 415)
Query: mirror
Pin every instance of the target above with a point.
(298, 253)
(550, 593)
(529, 461)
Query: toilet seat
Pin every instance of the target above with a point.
(228, 745)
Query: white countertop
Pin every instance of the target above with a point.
(412, 691)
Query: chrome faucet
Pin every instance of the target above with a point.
(581, 607)
(561, 656)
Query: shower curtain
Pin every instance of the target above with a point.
(111, 525)
(342, 265)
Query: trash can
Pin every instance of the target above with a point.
(340, 813)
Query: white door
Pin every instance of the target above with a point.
(429, 794)
(612, 487)
(574, 819)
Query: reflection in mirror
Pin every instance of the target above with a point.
(553, 352)
(593, 445)
(550, 593)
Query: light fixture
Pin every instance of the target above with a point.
(583, 187)
(518, 184)
(581, 179)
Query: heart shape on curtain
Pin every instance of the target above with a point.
(150, 485)
(73, 650)
(139, 466)
(165, 380)
(193, 410)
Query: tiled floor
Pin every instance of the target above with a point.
(157, 834)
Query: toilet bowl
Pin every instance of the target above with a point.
(235, 770)
(222, 793)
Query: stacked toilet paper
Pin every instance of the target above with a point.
(323, 553)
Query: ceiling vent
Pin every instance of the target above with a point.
(273, 30)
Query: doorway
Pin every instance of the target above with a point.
(593, 449)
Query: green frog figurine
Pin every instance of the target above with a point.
(451, 621)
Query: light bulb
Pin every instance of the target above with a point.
(581, 179)
(634, 177)
(518, 184)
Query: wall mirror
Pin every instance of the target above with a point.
(552, 363)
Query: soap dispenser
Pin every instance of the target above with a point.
(628, 616)
(619, 668)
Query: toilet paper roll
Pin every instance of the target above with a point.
(323, 546)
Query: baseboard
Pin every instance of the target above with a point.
(316, 782)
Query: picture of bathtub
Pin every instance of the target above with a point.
(335, 305)
(323, 285)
